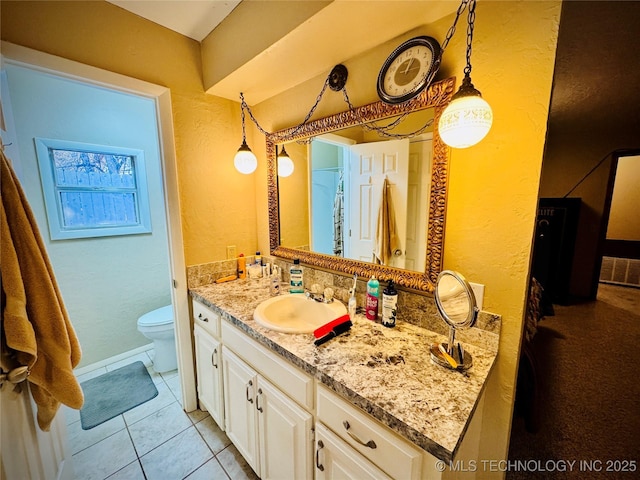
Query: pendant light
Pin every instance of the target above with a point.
(245, 160)
(468, 117)
(285, 164)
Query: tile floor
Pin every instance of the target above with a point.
(156, 440)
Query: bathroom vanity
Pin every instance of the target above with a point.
(367, 404)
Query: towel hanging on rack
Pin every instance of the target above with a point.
(387, 241)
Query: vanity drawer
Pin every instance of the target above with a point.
(206, 318)
(397, 457)
(298, 385)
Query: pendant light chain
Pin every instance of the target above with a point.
(452, 28)
(244, 105)
(470, 24)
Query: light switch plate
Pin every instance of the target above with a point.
(232, 252)
(478, 292)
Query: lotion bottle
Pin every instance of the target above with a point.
(242, 266)
(296, 277)
(373, 288)
(389, 305)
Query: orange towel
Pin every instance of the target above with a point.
(35, 323)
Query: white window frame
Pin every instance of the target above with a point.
(53, 203)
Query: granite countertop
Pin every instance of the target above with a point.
(387, 372)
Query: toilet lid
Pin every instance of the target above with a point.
(160, 316)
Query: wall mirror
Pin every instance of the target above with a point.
(326, 212)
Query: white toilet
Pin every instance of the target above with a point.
(157, 325)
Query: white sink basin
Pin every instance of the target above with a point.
(295, 313)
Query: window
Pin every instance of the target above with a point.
(93, 190)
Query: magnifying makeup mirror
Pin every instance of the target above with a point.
(457, 307)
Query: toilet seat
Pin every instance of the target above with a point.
(158, 317)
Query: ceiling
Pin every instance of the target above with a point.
(192, 18)
(337, 31)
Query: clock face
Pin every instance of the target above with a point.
(408, 70)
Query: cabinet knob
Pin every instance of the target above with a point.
(371, 444)
(319, 466)
(203, 318)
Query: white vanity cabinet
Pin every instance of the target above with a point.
(284, 422)
(367, 438)
(335, 459)
(271, 431)
(206, 332)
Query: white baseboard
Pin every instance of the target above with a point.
(109, 361)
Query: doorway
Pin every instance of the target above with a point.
(619, 252)
(169, 211)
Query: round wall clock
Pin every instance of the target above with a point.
(409, 69)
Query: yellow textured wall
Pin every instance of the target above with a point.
(217, 203)
(493, 186)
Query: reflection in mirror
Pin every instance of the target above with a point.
(346, 172)
(457, 306)
(327, 212)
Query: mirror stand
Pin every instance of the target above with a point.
(443, 355)
(457, 307)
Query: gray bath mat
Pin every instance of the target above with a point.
(114, 393)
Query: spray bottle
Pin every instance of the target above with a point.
(373, 288)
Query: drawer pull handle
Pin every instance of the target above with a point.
(258, 398)
(249, 399)
(371, 444)
(203, 318)
(213, 357)
(319, 466)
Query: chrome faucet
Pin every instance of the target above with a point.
(316, 293)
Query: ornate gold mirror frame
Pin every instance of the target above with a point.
(437, 96)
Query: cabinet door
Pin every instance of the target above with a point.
(209, 370)
(285, 431)
(335, 459)
(240, 388)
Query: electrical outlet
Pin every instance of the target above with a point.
(478, 292)
(232, 252)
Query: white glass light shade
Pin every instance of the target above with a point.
(245, 161)
(285, 166)
(465, 121)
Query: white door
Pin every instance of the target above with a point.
(335, 459)
(369, 164)
(25, 450)
(239, 405)
(283, 427)
(419, 184)
(209, 368)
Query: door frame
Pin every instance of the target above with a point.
(601, 249)
(61, 67)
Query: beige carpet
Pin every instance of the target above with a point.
(588, 358)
